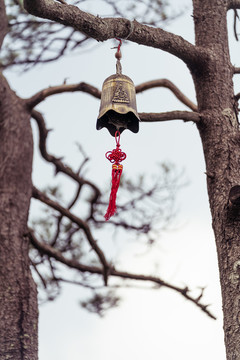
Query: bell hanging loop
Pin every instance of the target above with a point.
(118, 56)
(118, 109)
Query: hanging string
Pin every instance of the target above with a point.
(118, 56)
(115, 157)
(119, 45)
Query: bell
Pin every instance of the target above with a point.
(118, 110)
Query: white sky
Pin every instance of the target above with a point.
(152, 324)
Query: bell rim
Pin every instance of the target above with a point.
(101, 114)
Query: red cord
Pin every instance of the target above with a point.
(119, 45)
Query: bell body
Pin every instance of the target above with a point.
(118, 110)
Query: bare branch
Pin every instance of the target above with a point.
(103, 29)
(170, 115)
(237, 70)
(39, 275)
(43, 94)
(37, 194)
(79, 283)
(167, 84)
(60, 217)
(38, 42)
(52, 252)
(90, 89)
(56, 254)
(184, 291)
(59, 165)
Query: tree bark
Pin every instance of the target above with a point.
(18, 295)
(3, 22)
(219, 130)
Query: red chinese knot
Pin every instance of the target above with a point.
(115, 157)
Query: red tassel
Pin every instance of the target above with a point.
(116, 175)
(115, 156)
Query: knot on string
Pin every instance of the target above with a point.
(115, 157)
(118, 56)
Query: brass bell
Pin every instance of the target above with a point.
(118, 110)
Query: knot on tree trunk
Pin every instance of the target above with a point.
(234, 195)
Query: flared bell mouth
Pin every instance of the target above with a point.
(115, 121)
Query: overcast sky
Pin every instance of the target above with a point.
(152, 324)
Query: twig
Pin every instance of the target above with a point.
(38, 273)
(59, 165)
(59, 220)
(37, 194)
(235, 23)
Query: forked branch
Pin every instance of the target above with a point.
(112, 271)
(81, 224)
(103, 29)
(59, 165)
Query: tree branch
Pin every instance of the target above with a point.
(60, 167)
(103, 29)
(233, 4)
(237, 70)
(170, 115)
(167, 84)
(37, 194)
(52, 90)
(236, 17)
(90, 89)
(52, 252)
(60, 217)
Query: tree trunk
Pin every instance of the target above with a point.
(219, 130)
(18, 295)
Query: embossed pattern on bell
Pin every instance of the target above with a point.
(120, 95)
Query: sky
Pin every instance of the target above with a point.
(157, 324)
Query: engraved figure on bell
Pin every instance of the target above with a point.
(120, 95)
